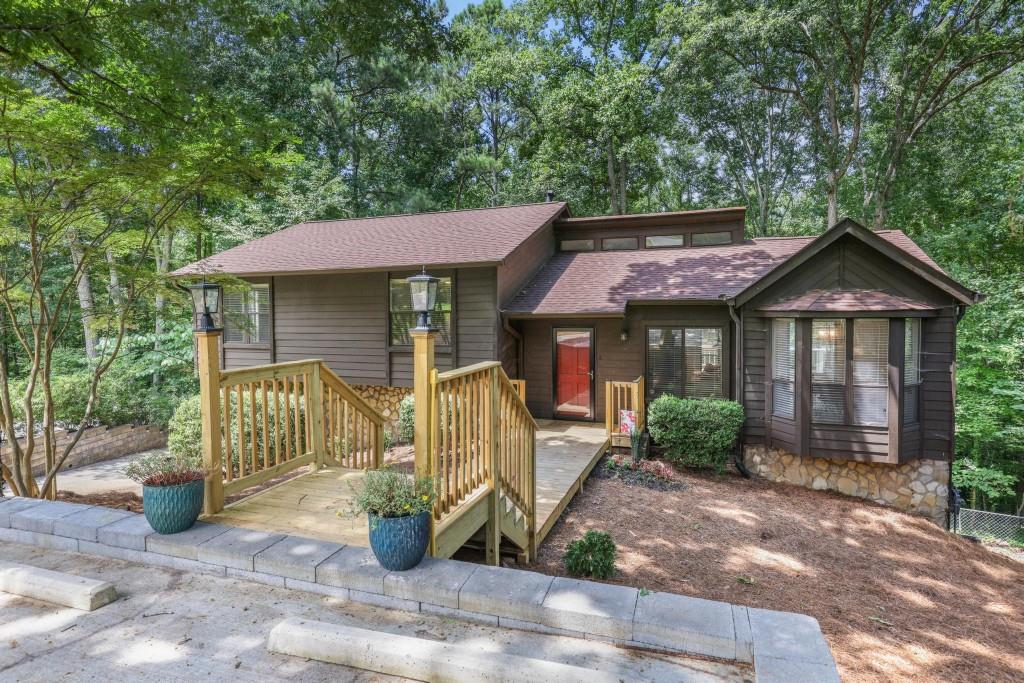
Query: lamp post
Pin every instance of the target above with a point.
(423, 288)
(206, 299)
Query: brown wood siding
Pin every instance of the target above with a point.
(613, 358)
(627, 226)
(339, 318)
(938, 354)
(849, 443)
(755, 368)
(476, 316)
(851, 264)
(523, 263)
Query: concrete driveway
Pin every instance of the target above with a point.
(100, 477)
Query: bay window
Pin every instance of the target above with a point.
(783, 367)
(828, 371)
(870, 372)
(911, 369)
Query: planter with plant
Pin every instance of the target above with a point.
(398, 507)
(172, 490)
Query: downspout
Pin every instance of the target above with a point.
(737, 320)
(953, 500)
(507, 326)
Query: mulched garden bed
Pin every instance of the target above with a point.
(898, 598)
(651, 474)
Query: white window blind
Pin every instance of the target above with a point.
(247, 316)
(664, 361)
(704, 362)
(828, 371)
(870, 371)
(911, 370)
(783, 366)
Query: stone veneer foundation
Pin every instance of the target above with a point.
(918, 486)
(384, 399)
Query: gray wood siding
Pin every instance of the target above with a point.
(524, 262)
(476, 316)
(241, 356)
(339, 318)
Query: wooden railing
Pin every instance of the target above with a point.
(276, 418)
(482, 450)
(620, 396)
(520, 385)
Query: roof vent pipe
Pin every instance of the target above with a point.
(550, 194)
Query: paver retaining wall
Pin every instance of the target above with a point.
(96, 444)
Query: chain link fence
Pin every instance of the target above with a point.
(989, 525)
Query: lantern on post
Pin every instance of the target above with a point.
(423, 288)
(206, 298)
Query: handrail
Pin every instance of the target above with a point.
(623, 396)
(467, 370)
(278, 417)
(515, 392)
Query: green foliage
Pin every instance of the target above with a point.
(695, 432)
(991, 482)
(184, 433)
(593, 555)
(390, 493)
(407, 419)
(161, 469)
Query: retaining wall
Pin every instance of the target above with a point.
(96, 444)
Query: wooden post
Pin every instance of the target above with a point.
(209, 393)
(493, 528)
(423, 362)
(315, 413)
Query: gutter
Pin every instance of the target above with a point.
(738, 377)
(507, 326)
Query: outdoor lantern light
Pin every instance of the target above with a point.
(205, 305)
(624, 335)
(424, 297)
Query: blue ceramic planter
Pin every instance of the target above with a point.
(399, 543)
(172, 509)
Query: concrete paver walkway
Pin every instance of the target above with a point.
(100, 477)
(177, 625)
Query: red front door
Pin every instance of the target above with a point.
(574, 376)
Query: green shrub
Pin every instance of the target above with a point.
(593, 555)
(407, 419)
(390, 493)
(695, 432)
(185, 434)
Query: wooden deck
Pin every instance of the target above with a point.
(319, 505)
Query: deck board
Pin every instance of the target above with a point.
(310, 504)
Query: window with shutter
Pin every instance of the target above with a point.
(664, 361)
(703, 362)
(828, 371)
(402, 318)
(783, 367)
(247, 316)
(870, 372)
(911, 370)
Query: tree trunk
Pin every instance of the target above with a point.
(114, 283)
(85, 300)
(832, 195)
(164, 244)
(612, 185)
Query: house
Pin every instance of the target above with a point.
(841, 347)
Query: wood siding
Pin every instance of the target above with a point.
(613, 358)
(850, 264)
(343, 319)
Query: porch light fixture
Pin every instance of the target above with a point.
(205, 305)
(424, 297)
(624, 335)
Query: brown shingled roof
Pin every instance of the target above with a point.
(470, 236)
(603, 282)
(847, 300)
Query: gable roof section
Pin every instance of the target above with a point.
(891, 243)
(604, 282)
(447, 238)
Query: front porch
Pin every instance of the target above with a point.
(318, 504)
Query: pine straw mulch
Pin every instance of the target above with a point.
(898, 598)
(120, 500)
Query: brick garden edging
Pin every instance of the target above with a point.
(783, 647)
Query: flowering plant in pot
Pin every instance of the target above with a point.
(398, 506)
(172, 490)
